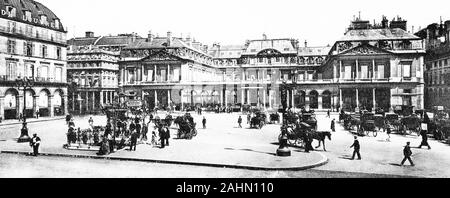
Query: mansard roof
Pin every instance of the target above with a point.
(284, 46)
(378, 34)
(226, 51)
(314, 51)
(36, 9)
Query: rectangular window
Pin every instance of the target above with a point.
(29, 70)
(11, 47)
(58, 53)
(11, 11)
(44, 51)
(28, 48)
(406, 66)
(348, 72)
(364, 71)
(11, 70)
(380, 72)
(58, 74)
(44, 71)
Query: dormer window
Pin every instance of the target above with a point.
(44, 20)
(11, 11)
(56, 22)
(27, 16)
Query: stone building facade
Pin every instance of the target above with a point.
(32, 46)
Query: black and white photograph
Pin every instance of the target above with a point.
(224, 89)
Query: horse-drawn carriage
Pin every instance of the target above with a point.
(274, 118)
(392, 121)
(298, 133)
(186, 127)
(410, 124)
(258, 121)
(167, 121)
(367, 124)
(310, 119)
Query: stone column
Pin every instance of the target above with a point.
(168, 73)
(292, 99)
(340, 69)
(270, 100)
(34, 105)
(66, 105)
(307, 101)
(80, 103)
(156, 97)
(249, 101)
(87, 100)
(373, 70)
(74, 98)
(142, 74)
(155, 73)
(221, 97)
(320, 102)
(356, 69)
(2, 107)
(93, 101)
(226, 98)
(341, 101)
(101, 98)
(242, 96)
(52, 108)
(357, 99)
(168, 97)
(264, 98)
(374, 99)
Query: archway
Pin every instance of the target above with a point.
(58, 103)
(29, 103)
(314, 99)
(326, 99)
(300, 99)
(43, 103)
(215, 97)
(11, 108)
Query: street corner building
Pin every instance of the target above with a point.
(93, 71)
(373, 66)
(437, 61)
(32, 46)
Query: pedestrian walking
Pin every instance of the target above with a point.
(154, 141)
(167, 135)
(328, 114)
(388, 132)
(111, 142)
(308, 142)
(35, 142)
(37, 114)
(407, 153)
(249, 117)
(204, 122)
(423, 133)
(240, 121)
(91, 122)
(356, 148)
(134, 137)
(162, 136)
(144, 132)
(333, 125)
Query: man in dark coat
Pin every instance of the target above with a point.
(407, 153)
(308, 142)
(167, 135)
(162, 136)
(356, 148)
(423, 133)
(204, 123)
(35, 142)
(333, 125)
(134, 137)
(240, 121)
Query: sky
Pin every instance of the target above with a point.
(232, 22)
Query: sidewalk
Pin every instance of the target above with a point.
(30, 120)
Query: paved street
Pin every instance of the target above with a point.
(380, 158)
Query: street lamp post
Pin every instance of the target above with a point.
(283, 150)
(24, 83)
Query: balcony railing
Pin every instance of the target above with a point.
(6, 78)
(19, 31)
(279, 81)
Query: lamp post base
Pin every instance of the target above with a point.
(283, 152)
(23, 139)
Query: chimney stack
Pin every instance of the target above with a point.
(89, 34)
(306, 43)
(169, 38)
(189, 40)
(264, 37)
(150, 37)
